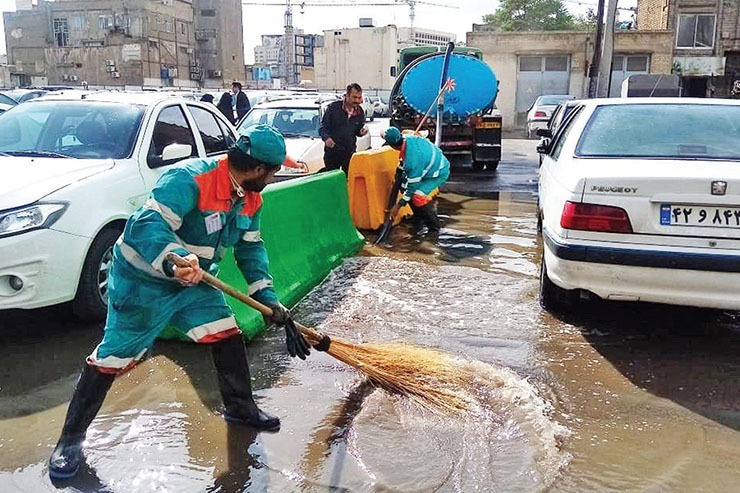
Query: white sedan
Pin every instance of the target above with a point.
(539, 114)
(298, 119)
(640, 201)
(72, 169)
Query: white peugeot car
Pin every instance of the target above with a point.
(639, 199)
(71, 172)
(298, 119)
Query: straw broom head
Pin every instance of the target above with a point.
(426, 377)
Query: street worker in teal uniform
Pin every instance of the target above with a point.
(197, 209)
(425, 168)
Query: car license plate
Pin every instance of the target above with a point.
(488, 125)
(699, 215)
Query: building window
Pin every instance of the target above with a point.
(79, 23)
(182, 28)
(208, 13)
(695, 31)
(61, 32)
(168, 26)
(105, 22)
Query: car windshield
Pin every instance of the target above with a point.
(552, 100)
(665, 131)
(78, 129)
(291, 122)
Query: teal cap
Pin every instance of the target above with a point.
(263, 143)
(392, 136)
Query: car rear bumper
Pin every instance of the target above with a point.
(47, 261)
(672, 277)
(536, 124)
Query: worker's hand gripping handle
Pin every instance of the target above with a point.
(314, 337)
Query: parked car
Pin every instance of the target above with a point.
(557, 118)
(23, 95)
(380, 107)
(72, 172)
(539, 113)
(639, 199)
(298, 119)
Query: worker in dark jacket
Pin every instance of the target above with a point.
(342, 123)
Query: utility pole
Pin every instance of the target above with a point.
(605, 65)
(289, 45)
(593, 70)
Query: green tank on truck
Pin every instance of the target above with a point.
(476, 134)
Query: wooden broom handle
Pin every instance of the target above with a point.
(243, 297)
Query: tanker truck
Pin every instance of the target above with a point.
(470, 124)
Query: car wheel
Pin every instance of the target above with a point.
(478, 165)
(553, 297)
(492, 165)
(91, 302)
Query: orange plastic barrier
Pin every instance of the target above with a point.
(371, 175)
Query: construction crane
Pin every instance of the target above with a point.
(289, 40)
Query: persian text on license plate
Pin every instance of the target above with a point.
(700, 215)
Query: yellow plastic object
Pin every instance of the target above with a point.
(371, 175)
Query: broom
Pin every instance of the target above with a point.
(426, 377)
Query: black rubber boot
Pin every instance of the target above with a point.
(428, 215)
(89, 394)
(235, 383)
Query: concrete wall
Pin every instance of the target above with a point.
(502, 50)
(362, 55)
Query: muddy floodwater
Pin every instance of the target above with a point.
(616, 397)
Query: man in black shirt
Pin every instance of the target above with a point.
(342, 123)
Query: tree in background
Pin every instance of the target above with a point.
(533, 15)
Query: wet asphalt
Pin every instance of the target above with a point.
(607, 397)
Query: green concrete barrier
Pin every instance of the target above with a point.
(307, 230)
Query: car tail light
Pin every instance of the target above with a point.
(593, 217)
(540, 114)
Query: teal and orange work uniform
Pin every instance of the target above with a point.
(190, 210)
(426, 169)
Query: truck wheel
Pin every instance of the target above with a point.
(492, 165)
(478, 165)
(91, 302)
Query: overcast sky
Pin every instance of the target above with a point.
(260, 20)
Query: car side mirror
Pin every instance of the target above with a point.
(170, 155)
(544, 132)
(175, 152)
(544, 146)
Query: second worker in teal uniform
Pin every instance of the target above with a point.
(425, 169)
(197, 209)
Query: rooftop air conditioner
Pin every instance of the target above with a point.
(116, 74)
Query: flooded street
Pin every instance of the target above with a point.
(617, 397)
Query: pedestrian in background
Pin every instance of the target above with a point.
(226, 107)
(425, 169)
(241, 101)
(343, 122)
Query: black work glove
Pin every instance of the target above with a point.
(297, 345)
(280, 314)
